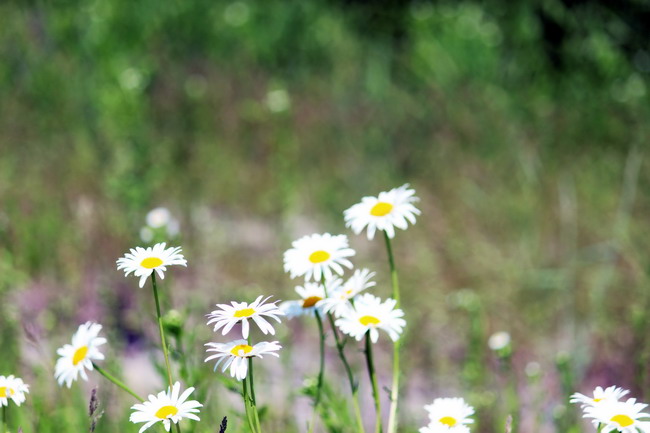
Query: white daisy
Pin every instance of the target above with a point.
(449, 414)
(612, 393)
(12, 388)
(167, 407)
(236, 354)
(619, 416)
(75, 358)
(317, 255)
(229, 315)
(385, 212)
(340, 295)
(158, 217)
(142, 262)
(499, 340)
(311, 295)
(370, 314)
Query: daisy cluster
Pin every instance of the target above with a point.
(236, 354)
(610, 413)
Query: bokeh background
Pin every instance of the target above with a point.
(523, 127)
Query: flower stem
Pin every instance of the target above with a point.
(3, 423)
(321, 372)
(162, 331)
(394, 391)
(256, 416)
(116, 381)
(251, 424)
(373, 381)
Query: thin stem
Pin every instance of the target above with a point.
(373, 381)
(256, 416)
(4, 419)
(321, 372)
(116, 381)
(251, 425)
(162, 331)
(394, 391)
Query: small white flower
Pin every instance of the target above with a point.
(448, 415)
(142, 262)
(612, 393)
(390, 209)
(75, 358)
(317, 255)
(12, 388)
(236, 354)
(499, 340)
(229, 315)
(158, 217)
(618, 416)
(341, 294)
(370, 314)
(167, 407)
(311, 297)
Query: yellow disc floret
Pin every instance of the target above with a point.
(448, 420)
(381, 209)
(622, 420)
(151, 262)
(166, 411)
(369, 320)
(241, 350)
(319, 256)
(245, 312)
(79, 355)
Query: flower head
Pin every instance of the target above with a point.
(499, 340)
(229, 315)
(167, 407)
(236, 354)
(369, 313)
(619, 416)
(388, 210)
(317, 255)
(311, 297)
(341, 294)
(142, 262)
(448, 415)
(75, 358)
(12, 388)
(612, 393)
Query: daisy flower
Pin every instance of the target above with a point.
(370, 314)
(75, 358)
(236, 354)
(12, 388)
(448, 415)
(317, 255)
(167, 407)
(612, 393)
(619, 416)
(385, 212)
(229, 315)
(339, 297)
(311, 295)
(142, 262)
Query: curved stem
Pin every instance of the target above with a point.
(321, 372)
(256, 416)
(394, 391)
(116, 381)
(373, 381)
(161, 329)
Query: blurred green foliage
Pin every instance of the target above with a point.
(250, 118)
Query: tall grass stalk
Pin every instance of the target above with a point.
(373, 381)
(394, 391)
(162, 331)
(116, 381)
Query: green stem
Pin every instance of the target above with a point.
(162, 331)
(116, 381)
(251, 424)
(4, 419)
(373, 381)
(394, 392)
(256, 416)
(321, 372)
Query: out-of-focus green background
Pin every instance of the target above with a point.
(523, 127)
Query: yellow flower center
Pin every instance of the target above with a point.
(381, 209)
(596, 400)
(6, 392)
(319, 256)
(245, 312)
(79, 355)
(448, 420)
(368, 320)
(151, 262)
(166, 411)
(622, 420)
(311, 301)
(241, 349)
